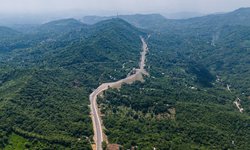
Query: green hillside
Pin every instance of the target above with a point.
(198, 67)
(185, 103)
(45, 87)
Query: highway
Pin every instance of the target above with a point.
(95, 113)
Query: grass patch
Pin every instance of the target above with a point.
(16, 142)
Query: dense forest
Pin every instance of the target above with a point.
(45, 84)
(185, 103)
(198, 67)
(182, 105)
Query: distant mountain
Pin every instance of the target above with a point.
(94, 19)
(31, 35)
(63, 25)
(159, 23)
(183, 15)
(9, 39)
(209, 22)
(145, 21)
(24, 28)
(62, 31)
(115, 23)
(237, 17)
(7, 32)
(138, 20)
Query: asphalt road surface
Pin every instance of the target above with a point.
(95, 113)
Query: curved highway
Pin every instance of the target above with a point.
(95, 113)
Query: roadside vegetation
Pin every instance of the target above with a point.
(48, 72)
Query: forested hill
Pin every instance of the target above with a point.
(160, 23)
(60, 26)
(7, 32)
(237, 17)
(44, 85)
(198, 68)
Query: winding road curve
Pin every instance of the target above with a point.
(95, 113)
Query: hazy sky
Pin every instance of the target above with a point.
(121, 6)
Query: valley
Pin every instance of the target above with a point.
(132, 81)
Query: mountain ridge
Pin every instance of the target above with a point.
(7, 32)
(160, 23)
(198, 68)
